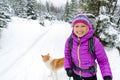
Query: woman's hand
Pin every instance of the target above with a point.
(107, 78)
(69, 72)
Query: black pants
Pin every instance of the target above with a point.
(77, 77)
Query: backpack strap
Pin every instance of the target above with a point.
(70, 46)
(70, 42)
(92, 51)
(91, 46)
(91, 69)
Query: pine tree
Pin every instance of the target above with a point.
(67, 12)
(110, 20)
(4, 6)
(31, 7)
(4, 13)
(48, 7)
(19, 7)
(73, 9)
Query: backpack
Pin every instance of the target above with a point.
(92, 52)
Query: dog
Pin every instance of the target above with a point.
(53, 64)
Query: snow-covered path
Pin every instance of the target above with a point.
(24, 41)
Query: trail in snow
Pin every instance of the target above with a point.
(25, 51)
(25, 42)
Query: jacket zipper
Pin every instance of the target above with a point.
(78, 53)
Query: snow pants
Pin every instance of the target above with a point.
(77, 77)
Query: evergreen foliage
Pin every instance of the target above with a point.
(4, 11)
(31, 9)
(67, 12)
(19, 7)
(4, 19)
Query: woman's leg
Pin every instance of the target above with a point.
(76, 77)
(90, 78)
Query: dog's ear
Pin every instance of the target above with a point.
(42, 56)
(48, 54)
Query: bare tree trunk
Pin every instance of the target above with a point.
(118, 49)
(114, 7)
(110, 6)
(98, 9)
(118, 23)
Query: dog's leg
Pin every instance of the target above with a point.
(55, 75)
(51, 74)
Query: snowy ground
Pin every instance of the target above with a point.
(24, 41)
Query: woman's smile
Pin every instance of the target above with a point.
(80, 29)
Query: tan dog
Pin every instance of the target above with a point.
(53, 64)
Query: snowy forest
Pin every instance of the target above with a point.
(105, 15)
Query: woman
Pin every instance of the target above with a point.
(80, 54)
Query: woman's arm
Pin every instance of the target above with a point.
(102, 59)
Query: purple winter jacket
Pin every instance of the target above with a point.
(85, 58)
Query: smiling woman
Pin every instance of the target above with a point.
(80, 29)
(76, 61)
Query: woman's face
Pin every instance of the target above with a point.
(80, 29)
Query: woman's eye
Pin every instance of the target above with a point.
(82, 26)
(76, 26)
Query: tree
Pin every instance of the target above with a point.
(31, 9)
(111, 19)
(67, 12)
(4, 13)
(19, 7)
(4, 6)
(48, 7)
(107, 13)
(73, 10)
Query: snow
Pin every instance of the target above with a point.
(58, 3)
(118, 2)
(102, 17)
(111, 31)
(23, 42)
